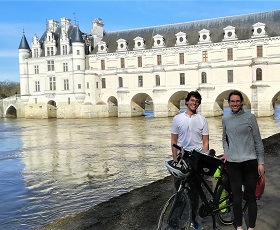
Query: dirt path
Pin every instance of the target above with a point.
(140, 209)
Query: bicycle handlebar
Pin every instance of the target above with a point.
(210, 152)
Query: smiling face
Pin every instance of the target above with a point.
(235, 103)
(192, 104)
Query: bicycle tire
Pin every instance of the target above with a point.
(180, 218)
(223, 202)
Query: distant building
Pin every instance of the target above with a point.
(67, 73)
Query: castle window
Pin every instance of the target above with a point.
(158, 59)
(50, 65)
(36, 53)
(139, 61)
(50, 51)
(181, 58)
(258, 74)
(52, 83)
(230, 76)
(36, 69)
(182, 78)
(87, 85)
(259, 51)
(157, 80)
(229, 54)
(140, 81)
(203, 78)
(65, 67)
(103, 83)
(122, 63)
(66, 84)
(103, 64)
(37, 86)
(64, 49)
(78, 52)
(204, 56)
(120, 82)
(78, 67)
(79, 86)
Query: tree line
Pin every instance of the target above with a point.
(8, 88)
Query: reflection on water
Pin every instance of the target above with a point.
(52, 168)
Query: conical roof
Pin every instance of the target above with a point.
(77, 35)
(23, 43)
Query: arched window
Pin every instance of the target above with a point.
(157, 80)
(259, 74)
(120, 82)
(203, 77)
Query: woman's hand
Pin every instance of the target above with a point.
(261, 170)
(224, 158)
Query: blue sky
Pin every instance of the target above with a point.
(31, 16)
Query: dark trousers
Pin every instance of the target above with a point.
(244, 173)
(193, 195)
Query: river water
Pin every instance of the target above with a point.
(53, 168)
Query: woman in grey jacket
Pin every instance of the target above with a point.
(244, 151)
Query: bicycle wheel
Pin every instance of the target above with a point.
(223, 204)
(176, 213)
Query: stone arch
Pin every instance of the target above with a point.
(11, 112)
(139, 103)
(52, 109)
(176, 102)
(112, 106)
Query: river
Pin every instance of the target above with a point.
(52, 168)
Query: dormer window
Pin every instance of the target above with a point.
(139, 43)
(204, 36)
(158, 41)
(102, 47)
(122, 45)
(36, 47)
(229, 33)
(259, 30)
(181, 39)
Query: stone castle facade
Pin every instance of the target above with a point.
(67, 73)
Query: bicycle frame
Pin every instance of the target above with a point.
(197, 180)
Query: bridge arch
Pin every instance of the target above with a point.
(139, 102)
(11, 112)
(52, 109)
(112, 106)
(176, 102)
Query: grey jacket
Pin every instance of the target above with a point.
(241, 137)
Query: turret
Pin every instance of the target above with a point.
(23, 55)
(78, 50)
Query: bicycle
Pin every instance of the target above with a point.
(191, 168)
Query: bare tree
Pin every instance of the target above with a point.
(8, 88)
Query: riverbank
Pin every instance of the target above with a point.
(140, 208)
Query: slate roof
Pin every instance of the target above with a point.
(243, 27)
(23, 43)
(73, 33)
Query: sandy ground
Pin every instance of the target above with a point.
(140, 208)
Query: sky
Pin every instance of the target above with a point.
(30, 17)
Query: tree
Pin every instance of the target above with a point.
(8, 88)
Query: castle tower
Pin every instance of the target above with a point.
(78, 64)
(23, 55)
